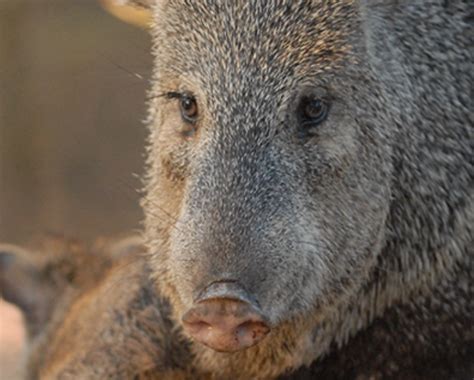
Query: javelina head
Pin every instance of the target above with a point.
(268, 161)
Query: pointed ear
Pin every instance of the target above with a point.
(136, 12)
(22, 284)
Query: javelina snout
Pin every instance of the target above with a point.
(225, 318)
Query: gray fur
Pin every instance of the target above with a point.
(329, 232)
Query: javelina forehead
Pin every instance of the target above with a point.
(277, 41)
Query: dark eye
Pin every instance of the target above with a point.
(312, 111)
(189, 108)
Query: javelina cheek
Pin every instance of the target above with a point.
(175, 165)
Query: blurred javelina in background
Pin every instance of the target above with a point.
(90, 311)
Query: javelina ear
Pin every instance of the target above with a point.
(136, 12)
(22, 284)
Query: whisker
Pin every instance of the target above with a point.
(123, 68)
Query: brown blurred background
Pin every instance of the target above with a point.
(72, 93)
(71, 105)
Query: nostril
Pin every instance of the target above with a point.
(252, 331)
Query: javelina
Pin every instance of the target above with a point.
(310, 176)
(310, 187)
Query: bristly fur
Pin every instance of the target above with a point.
(334, 232)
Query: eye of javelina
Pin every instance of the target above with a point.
(255, 229)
